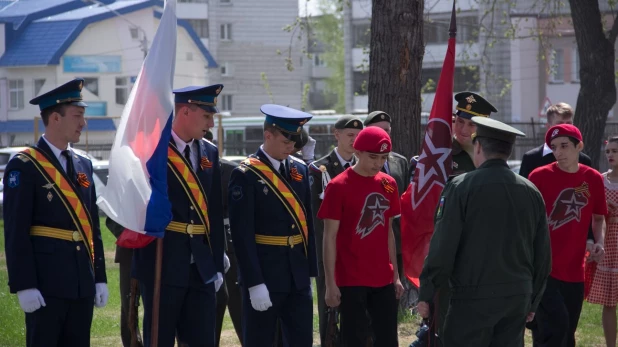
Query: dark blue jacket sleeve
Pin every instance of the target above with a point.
(99, 255)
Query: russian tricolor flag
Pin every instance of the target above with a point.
(136, 192)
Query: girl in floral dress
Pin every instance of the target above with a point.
(604, 282)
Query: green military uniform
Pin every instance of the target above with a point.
(469, 105)
(491, 244)
(322, 171)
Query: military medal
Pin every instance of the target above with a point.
(82, 179)
(295, 175)
(265, 190)
(50, 196)
(205, 163)
(387, 186)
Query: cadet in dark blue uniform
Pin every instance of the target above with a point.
(272, 232)
(54, 252)
(193, 244)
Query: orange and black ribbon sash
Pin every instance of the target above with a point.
(68, 195)
(283, 191)
(191, 184)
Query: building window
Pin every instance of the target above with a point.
(575, 66)
(226, 69)
(123, 89)
(200, 26)
(556, 66)
(226, 103)
(226, 32)
(360, 82)
(318, 61)
(193, 1)
(92, 85)
(361, 35)
(16, 94)
(38, 85)
(225, 1)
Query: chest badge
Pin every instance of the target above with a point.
(48, 186)
(50, 196)
(265, 190)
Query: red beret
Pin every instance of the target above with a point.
(561, 130)
(374, 140)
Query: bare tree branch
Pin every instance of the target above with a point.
(613, 33)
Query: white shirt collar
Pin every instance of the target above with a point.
(57, 151)
(276, 163)
(343, 161)
(180, 144)
(546, 149)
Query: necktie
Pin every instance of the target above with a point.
(282, 170)
(188, 155)
(70, 170)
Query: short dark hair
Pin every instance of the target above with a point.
(493, 148)
(269, 127)
(60, 108)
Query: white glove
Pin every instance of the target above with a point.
(226, 263)
(218, 282)
(260, 300)
(101, 296)
(30, 300)
(309, 149)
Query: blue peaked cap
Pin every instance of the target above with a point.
(69, 93)
(288, 120)
(204, 97)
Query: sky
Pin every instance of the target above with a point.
(310, 5)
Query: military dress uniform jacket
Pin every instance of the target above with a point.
(57, 268)
(490, 239)
(462, 162)
(179, 247)
(255, 210)
(333, 167)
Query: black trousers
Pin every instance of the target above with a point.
(320, 283)
(558, 314)
(189, 311)
(495, 322)
(62, 322)
(229, 296)
(367, 311)
(125, 296)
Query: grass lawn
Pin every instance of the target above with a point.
(106, 321)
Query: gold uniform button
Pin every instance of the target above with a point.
(191, 207)
(76, 236)
(293, 226)
(190, 229)
(192, 221)
(78, 248)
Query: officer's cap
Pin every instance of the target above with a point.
(69, 93)
(349, 122)
(204, 97)
(493, 129)
(470, 105)
(285, 119)
(377, 116)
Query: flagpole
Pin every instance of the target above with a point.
(452, 30)
(156, 295)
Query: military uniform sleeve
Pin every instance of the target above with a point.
(542, 255)
(449, 219)
(100, 275)
(524, 168)
(311, 248)
(215, 215)
(316, 202)
(19, 190)
(242, 224)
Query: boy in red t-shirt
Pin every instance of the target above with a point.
(360, 260)
(574, 196)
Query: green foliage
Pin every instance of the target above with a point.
(267, 86)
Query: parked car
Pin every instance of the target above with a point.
(235, 158)
(8, 153)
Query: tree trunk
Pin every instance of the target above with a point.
(597, 93)
(395, 61)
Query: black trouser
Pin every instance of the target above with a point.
(366, 310)
(495, 322)
(320, 283)
(125, 296)
(558, 314)
(61, 322)
(229, 296)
